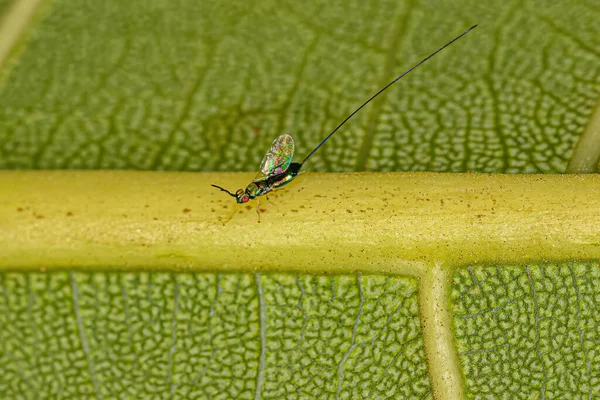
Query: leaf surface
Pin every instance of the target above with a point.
(197, 86)
(529, 332)
(155, 85)
(210, 336)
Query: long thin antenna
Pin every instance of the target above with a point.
(384, 88)
(224, 190)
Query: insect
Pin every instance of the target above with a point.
(277, 168)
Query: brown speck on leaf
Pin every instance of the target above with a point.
(39, 216)
(294, 210)
(224, 206)
(349, 254)
(212, 210)
(301, 206)
(469, 172)
(146, 206)
(19, 209)
(256, 130)
(125, 215)
(186, 210)
(69, 214)
(262, 210)
(156, 219)
(442, 201)
(248, 207)
(349, 211)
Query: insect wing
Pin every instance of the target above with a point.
(278, 158)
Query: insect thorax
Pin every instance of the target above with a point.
(253, 190)
(262, 187)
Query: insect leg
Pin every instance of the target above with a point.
(267, 197)
(257, 207)
(230, 216)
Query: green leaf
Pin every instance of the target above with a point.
(110, 335)
(190, 86)
(401, 249)
(199, 86)
(529, 332)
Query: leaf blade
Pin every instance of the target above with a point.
(162, 98)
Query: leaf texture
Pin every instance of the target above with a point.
(529, 332)
(182, 86)
(201, 86)
(117, 335)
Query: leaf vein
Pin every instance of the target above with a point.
(82, 336)
(340, 374)
(262, 363)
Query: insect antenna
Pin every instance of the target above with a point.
(383, 89)
(224, 190)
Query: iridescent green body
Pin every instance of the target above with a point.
(276, 170)
(263, 186)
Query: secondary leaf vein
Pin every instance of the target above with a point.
(82, 336)
(262, 363)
